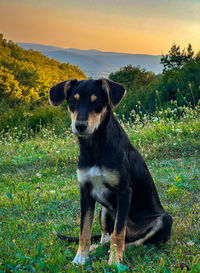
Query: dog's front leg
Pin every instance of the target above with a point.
(119, 232)
(87, 214)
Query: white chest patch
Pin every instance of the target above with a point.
(97, 177)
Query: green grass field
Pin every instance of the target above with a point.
(40, 193)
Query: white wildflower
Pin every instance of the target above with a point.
(190, 243)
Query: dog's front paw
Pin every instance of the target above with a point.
(80, 259)
(115, 258)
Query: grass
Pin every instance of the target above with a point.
(40, 193)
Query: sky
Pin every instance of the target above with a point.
(131, 26)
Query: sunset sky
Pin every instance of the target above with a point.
(133, 26)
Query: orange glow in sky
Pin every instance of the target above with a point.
(133, 26)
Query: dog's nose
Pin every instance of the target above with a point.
(81, 125)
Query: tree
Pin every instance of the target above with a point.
(9, 87)
(131, 76)
(27, 75)
(176, 58)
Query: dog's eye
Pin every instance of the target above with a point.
(97, 102)
(97, 105)
(73, 102)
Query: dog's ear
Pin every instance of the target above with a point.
(115, 92)
(59, 92)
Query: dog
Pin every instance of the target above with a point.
(110, 171)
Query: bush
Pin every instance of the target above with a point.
(178, 84)
(27, 75)
(25, 121)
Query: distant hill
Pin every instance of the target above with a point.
(97, 63)
(27, 75)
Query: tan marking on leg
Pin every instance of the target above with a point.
(84, 240)
(117, 246)
(93, 98)
(77, 96)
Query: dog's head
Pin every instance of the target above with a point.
(88, 101)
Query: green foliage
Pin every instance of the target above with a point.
(132, 76)
(143, 95)
(136, 80)
(27, 75)
(175, 58)
(182, 85)
(167, 133)
(179, 82)
(40, 193)
(25, 78)
(26, 121)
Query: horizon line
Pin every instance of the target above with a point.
(88, 49)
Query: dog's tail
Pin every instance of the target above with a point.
(94, 238)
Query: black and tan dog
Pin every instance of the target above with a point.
(110, 171)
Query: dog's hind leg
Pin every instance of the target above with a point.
(163, 234)
(107, 225)
(158, 232)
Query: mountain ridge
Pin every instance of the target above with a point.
(96, 63)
